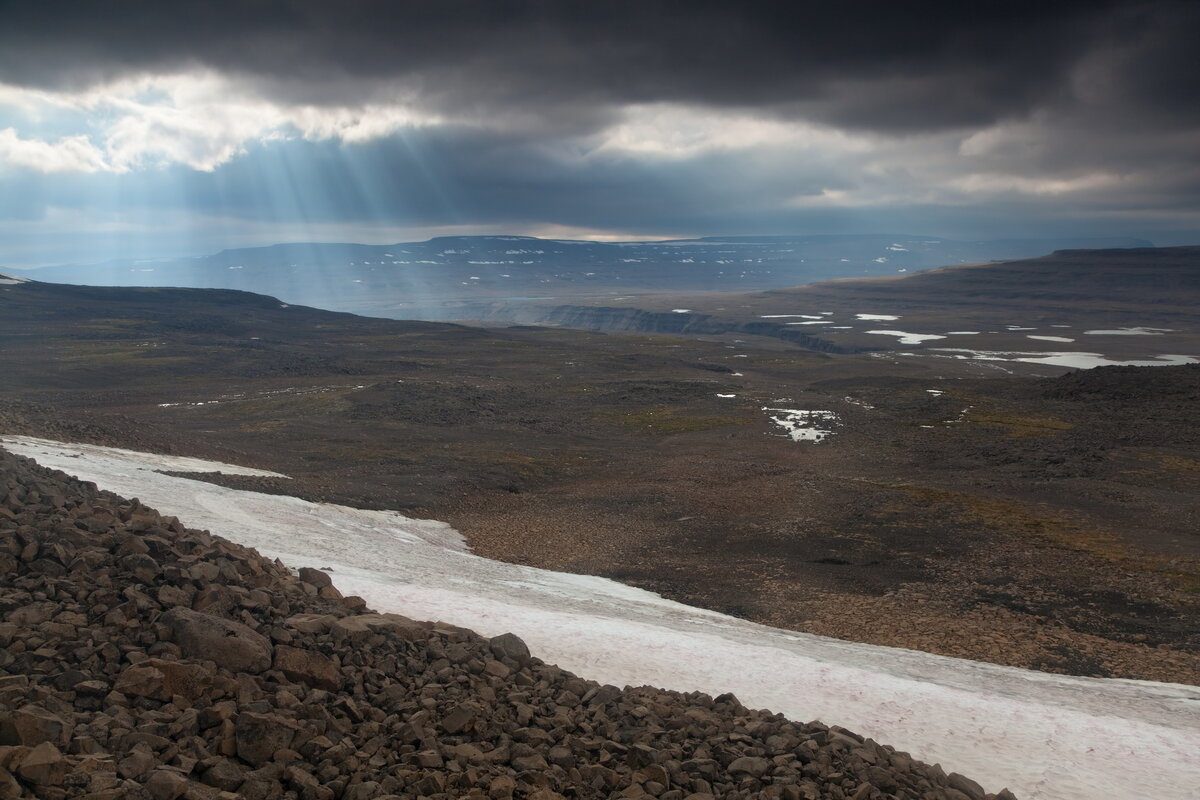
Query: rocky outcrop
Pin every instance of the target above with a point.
(140, 659)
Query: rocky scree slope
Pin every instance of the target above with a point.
(141, 659)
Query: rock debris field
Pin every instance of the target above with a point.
(142, 659)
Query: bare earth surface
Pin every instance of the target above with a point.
(1023, 516)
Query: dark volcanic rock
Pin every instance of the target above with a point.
(229, 643)
(112, 687)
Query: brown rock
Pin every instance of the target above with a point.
(308, 667)
(166, 784)
(458, 719)
(44, 765)
(231, 644)
(32, 724)
(258, 736)
(749, 765)
(315, 577)
(502, 787)
(510, 646)
(965, 785)
(225, 775)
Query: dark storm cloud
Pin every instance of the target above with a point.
(887, 66)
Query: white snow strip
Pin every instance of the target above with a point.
(1073, 360)
(812, 322)
(962, 333)
(804, 426)
(1046, 737)
(1049, 338)
(9, 280)
(726, 396)
(681, 311)
(909, 338)
(139, 462)
(1131, 332)
(789, 316)
(877, 317)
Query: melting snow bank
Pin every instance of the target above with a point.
(803, 426)
(1131, 332)
(1047, 737)
(1073, 360)
(909, 338)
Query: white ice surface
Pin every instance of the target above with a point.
(1049, 338)
(877, 317)
(1046, 737)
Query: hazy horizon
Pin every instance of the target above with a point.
(137, 130)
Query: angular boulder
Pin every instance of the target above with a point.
(260, 736)
(308, 667)
(231, 644)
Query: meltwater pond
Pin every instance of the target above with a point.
(1046, 737)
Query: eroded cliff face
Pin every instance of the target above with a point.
(634, 320)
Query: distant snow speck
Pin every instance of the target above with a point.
(803, 426)
(681, 311)
(736, 375)
(909, 338)
(962, 333)
(880, 260)
(812, 322)
(935, 392)
(877, 317)
(1019, 328)
(789, 316)
(1132, 332)
(726, 396)
(1048, 338)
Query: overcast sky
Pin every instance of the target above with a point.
(163, 128)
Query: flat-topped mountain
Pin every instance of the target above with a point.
(1126, 303)
(429, 280)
